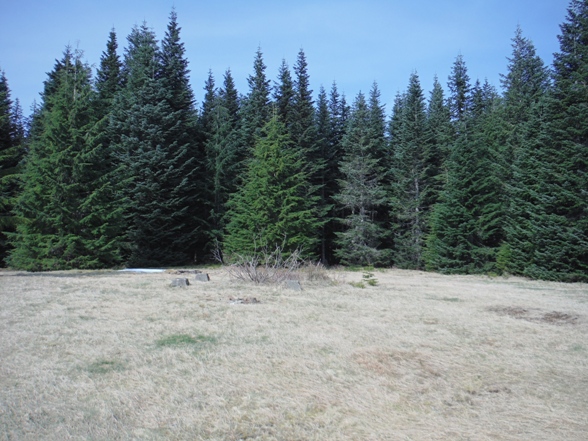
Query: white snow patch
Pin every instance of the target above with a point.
(142, 270)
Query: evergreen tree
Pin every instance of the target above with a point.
(153, 127)
(360, 192)
(230, 98)
(460, 88)
(186, 182)
(561, 251)
(408, 187)
(466, 225)
(437, 146)
(108, 77)
(331, 119)
(11, 155)
(273, 206)
(64, 222)
(525, 87)
(327, 185)
(224, 165)
(205, 117)
(303, 128)
(256, 110)
(284, 95)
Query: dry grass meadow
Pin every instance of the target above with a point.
(123, 356)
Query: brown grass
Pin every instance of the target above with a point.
(116, 356)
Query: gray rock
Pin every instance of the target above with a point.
(180, 282)
(293, 284)
(202, 277)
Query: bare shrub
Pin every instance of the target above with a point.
(264, 267)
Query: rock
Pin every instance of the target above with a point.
(293, 284)
(180, 282)
(202, 277)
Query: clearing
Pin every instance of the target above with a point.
(119, 356)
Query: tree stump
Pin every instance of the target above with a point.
(202, 277)
(180, 282)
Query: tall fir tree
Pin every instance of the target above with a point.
(561, 251)
(439, 135)
(407, 183)
(63, 223)
(331, 119)
(303, 127)
(224, 164)
(108, 77)
(327, 185)
(12, 151)
(460, 88)
(256, 108)
(466, 225)
(205, 116)
(284, 95)
(273, 207)
(152, 142)
(360, 192)
(525, 85)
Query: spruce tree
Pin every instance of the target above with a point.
(186, 182)
(64, 223)
(224, 164)
(525, 87)
(108, 77)
(331, 118)
(273, 207)
(12, 150)
(303, 128)
(328, 184)
(407, 183)
(561, 251)
(439, 135)
(256, 109)
(205, 116)
(467, 223)
(460, 89)
(360, 192)
(284, 95)
(152, 120)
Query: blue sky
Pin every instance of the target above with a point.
(351, 42)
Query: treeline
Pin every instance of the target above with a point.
(121, 168)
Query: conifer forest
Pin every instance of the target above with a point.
(119, 166)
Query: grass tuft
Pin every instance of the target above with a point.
(104, 367)
(184, 339)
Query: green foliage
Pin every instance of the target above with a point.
(358, 284)
(408, 141)
(63, 222)
(154, 121)
(369, 277)
(466, 225)
(124, 170)
(12, 151)
(273, 207)
(360, 192)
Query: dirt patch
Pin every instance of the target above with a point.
(559, 318)
(536, 315)
(395, 363)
